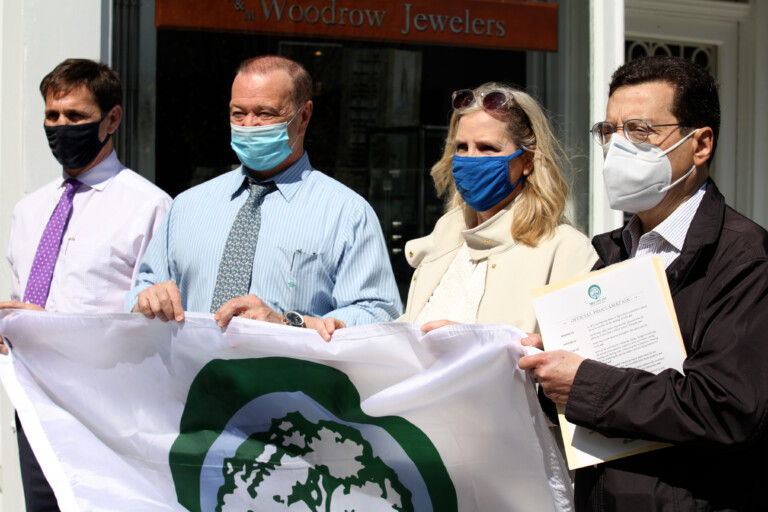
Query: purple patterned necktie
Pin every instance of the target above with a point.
(39, 282)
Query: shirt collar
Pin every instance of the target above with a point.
(288, 182)
(673, 229)
(99, 176)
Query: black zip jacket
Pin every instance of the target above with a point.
(716, 413)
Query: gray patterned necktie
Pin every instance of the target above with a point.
(234, 276)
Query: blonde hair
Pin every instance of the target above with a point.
(540, 206)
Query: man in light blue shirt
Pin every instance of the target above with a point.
(320, 254)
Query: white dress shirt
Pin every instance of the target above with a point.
(665, 240)
(114, 213)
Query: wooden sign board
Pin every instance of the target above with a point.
(499, 24)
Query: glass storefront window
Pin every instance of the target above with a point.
(381, 108)
(380, 115)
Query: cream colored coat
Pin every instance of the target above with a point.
(513, 269)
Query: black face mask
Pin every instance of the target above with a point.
(75, 145)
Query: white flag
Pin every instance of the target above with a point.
(126, 413)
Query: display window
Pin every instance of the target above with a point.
(383, 75)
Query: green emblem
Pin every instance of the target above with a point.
(295, 438)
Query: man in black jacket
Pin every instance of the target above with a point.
(659, 136)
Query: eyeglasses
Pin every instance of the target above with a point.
(492, 101)
(636, 130)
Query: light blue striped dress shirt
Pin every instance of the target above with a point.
(320, 250)
(665, 240)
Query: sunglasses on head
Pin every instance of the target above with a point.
(491, 101)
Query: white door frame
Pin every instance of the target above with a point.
(607, 35)
(715, 24)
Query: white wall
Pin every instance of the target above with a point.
(35, 35)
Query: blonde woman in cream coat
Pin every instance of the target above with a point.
(505, 232)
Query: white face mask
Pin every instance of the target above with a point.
(638, 176)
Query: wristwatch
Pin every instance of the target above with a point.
(295, 319)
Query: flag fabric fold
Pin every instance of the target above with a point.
(126, 413)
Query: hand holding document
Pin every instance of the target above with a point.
(623, 316)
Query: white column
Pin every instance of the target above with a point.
(35, 35)
(11, 189)
(607, 53)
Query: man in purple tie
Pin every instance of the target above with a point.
(76, 243)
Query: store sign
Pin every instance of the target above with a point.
(500, 24)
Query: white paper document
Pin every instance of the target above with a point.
(623, 316)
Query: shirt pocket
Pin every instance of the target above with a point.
(307, 284)
(88, 272)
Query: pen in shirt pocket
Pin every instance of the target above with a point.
(293, 260)
(66, 247)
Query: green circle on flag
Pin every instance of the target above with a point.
(286, 434)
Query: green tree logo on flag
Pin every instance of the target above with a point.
(285, 434)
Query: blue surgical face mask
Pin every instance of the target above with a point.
(483, 181)
(261, 148)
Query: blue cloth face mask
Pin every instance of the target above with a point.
(483, 181)
(261, 148)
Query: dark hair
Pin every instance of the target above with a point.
(98, 78)
(302, 82)
(696, 102)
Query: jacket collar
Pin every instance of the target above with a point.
(490, 237)
(445, 238)
(702, 238)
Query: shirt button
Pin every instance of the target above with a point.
(487, 240)
(493, 266)
(410, 253)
